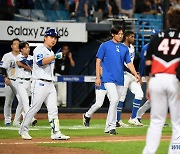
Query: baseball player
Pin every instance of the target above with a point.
(111, 56)
(24, 62)
(146, 106)
(100, 95)
(42, 88)
(131, 83)
(9, 72)
(162, 59)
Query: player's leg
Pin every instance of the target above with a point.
(39, 93)
(119, 122)
(19, 108)
(114, 93)
(146, 106)
(51, 103)
(23, 91)
(100, 95)
(136, 89)
(159, 108)
(9, 97)
(127, 81)
(174, 106)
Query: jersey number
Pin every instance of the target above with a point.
(164, 46)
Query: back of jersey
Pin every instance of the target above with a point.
(164, 52)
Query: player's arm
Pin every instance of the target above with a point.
(98, 72)
(20, 64)
(178, 76)
(5, 76)
(44, 61)
(133, 71)
(72, 63)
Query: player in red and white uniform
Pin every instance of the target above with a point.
(162, 59)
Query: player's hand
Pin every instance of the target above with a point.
(98, 82)
(58, 55)
(70, 55)
(7, 81)
(147, 94)
(138, 77)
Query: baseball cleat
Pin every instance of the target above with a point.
(135, 122)
(34, 122)
(8, 124)
(16, 124)
(86, 121)
(59, 136)
(166, 125)
(26, 136)
(112, 132)
(121, 124)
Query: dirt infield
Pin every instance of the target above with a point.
(19, 146)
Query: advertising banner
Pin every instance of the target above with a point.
(34, 31)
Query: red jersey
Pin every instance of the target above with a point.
(164, 51)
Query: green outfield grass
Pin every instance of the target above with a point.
(74, 128)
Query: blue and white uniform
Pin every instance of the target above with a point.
(42, 87)
(9, 63)
(100, 95)
(146, 106)
(134, 86)
(24, 81)
(112, 56)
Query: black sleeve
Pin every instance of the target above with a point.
(4, 73)
(150, 48)
(178, 72)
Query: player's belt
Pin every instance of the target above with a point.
(12, 79)
(45, 80)
(27, 79)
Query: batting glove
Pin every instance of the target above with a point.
(58, 55)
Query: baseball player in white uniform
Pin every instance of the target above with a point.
(24, 62)
(100, 95)
(130, 82)
(43, 89)
(9, 72)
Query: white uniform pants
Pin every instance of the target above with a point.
(23, 89)
(10, 93)
(42, 91)
(146, 106)
(114, 93)
(163, 94)
(134, 86)
(100, 95)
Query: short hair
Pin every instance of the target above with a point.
(23, 44)
(15, 39)
(173, 17)
(128, 33)
(115, 29)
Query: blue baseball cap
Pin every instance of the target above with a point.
(51, 32)
(154, 31)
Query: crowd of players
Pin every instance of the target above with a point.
(115, 73)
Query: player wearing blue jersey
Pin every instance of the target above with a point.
(42, 87)
(146, 106)
(111, 56)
